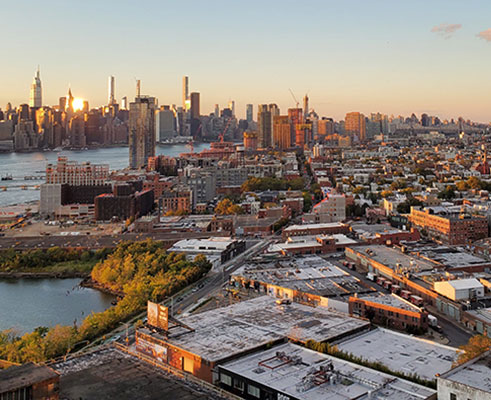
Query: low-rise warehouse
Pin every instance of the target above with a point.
(471, 380)
(201, 341)
(308, 279)
(402, 353)
(291, 372)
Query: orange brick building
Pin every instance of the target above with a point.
(448, 228)
(389, 311)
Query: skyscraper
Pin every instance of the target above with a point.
(355, 123)
(195, 114)
(195, 105)
(305, 106)
(295, 117)
(249, 112)
(231, 105)
(217, 111)
(142, 130)
(166, 124)
(110, 91)
(281, 132)
(185, 93)
(265, 115)
(35, 97)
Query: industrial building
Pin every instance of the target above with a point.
(460, 289)
(199, 342)
(315, 229)
(390, 311)
(309, 280)
(29, 381)
(320, 244)
(402, 353)
(216, 249)
(471, 380)
(292, 372)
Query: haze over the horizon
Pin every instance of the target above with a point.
(368, 56)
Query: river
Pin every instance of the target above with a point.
(20, 165)
(29, 303)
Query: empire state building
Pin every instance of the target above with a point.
(35, 98)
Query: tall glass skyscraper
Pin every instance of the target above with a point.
(35, 97)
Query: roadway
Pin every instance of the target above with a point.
(92, 241)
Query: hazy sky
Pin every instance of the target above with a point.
(391, 56)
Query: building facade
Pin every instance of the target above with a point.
(142, 130)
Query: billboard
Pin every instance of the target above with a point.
(158, 315)
(152, 349)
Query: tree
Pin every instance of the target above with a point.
(475, 346)
(462, 186)
(227, 207)
(474, 182)
(448, 193)
(386, 193)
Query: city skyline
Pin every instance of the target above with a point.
(405, 61)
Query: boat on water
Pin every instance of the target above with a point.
(7, 177)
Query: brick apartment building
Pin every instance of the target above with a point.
(447, 227)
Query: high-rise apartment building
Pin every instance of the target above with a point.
(35, 97)
(295, 118)
(264, 126)
(142, 130)
(111, 99)
(355, 123)
(166, 124)
(195, 113)
(281, 132)
(326, 126)
(185, 93)
(305, 106)
(76, 131)
(249, 112)
(73, 173)
(231, 105)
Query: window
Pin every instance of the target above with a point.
(254, 391)
(453, 396)
(225, 379)
(238, 384)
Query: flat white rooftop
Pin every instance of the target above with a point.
(402, 353)
(212, 243)
(391, 300)
(314, 226)
(308, 375)
(475, 374)
(227, 331)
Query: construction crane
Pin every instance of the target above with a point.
(221, 135)
(294, 98)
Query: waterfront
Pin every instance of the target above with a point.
(29, 303)
(19, 165)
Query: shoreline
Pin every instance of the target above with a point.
(43, 275)
(88, 282)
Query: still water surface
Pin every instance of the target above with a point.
(20, 165)
(26, 304)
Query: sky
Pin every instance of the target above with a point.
(390, 56)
